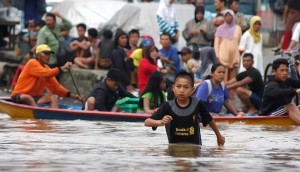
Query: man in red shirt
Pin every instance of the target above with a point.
(36, 77)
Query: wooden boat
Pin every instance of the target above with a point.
(18, 111)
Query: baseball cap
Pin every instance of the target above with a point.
(146, 41)
(185, 50)
(43, 48)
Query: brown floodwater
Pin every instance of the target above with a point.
(53, 145)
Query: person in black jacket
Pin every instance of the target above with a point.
(279, 92)
(107, 92)
(120, 60)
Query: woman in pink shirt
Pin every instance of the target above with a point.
(227, 39)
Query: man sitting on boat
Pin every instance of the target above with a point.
(248, 85)
(36, 77)
(279, 92)
(107, 92)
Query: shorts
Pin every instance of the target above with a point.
(278, 112)
(17, 98)
(255, 100)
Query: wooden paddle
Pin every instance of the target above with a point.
(75, 84)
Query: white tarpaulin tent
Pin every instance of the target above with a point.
(91, 12)
(142, 16)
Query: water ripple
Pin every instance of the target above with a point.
(51, 145)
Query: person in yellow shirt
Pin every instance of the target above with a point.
(137, 54)
(36, 77)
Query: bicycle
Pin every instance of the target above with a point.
(292, 58)
(293, 72)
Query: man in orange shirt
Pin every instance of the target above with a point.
(36, 77)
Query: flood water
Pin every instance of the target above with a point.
(51, 145)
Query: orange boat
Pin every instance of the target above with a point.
(69, 112)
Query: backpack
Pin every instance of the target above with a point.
(209, 85)
(64, 52)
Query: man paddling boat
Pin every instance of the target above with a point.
(36, 77)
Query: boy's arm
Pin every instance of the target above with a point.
(220, 138)
(154, 123)
(158, 118)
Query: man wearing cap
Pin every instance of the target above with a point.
(36, 77)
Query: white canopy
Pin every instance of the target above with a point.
(142, 16)
(91, 12)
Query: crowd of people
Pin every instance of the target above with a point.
(226, 46)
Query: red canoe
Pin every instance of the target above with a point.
(18, 111)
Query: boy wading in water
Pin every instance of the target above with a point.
(182, 115)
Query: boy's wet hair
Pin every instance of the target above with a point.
(184, 74)
(115, 75)
(278, 62)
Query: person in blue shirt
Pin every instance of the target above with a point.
(214, 93)
(169, 54)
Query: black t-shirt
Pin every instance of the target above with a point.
(184, 128)
(257, 85)
(106, 48)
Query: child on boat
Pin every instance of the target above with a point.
(182, 115)
(107, 92)
(153, 96)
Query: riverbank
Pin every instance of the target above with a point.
(86, 79)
